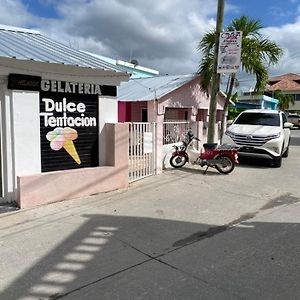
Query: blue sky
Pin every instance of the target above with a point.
(46, 9)
(160, 34)
(271, 12)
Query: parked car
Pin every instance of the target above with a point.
(261, 131)
(294, 119)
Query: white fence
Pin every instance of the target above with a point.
(147, 156)
(141, 150)
(174, 131)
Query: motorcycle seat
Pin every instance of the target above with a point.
(210, 145)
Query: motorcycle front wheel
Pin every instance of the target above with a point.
(178, 161)
(224, 164)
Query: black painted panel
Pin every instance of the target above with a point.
(57, 135)
(24, 82)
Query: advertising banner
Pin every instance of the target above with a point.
(69, 120)
(69, 125)
(229, 55)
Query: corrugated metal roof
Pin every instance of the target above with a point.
(145, 89)
(27, 44)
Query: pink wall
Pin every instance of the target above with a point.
(189, 95)
(61, 185)
(136, 110)
(124, 112)
(131, 111)
(177, 114)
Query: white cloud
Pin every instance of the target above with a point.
(14, 13)
(287, 37)
(159, 34)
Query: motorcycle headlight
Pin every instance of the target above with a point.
(230, 133)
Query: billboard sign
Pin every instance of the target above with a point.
(229, 55)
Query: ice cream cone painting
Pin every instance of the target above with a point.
(63, 138)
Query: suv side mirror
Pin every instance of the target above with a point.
(288, 125)
(229, 122)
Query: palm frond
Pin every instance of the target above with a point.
(261, 74)
(249, 27)
(284, 99)
(270, 51)
(205, 71)
(256, 55)
(207, 43)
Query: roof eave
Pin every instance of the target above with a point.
(31, 67)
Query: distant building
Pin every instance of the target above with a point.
(132, 67)
(289, 84)
(256, 101)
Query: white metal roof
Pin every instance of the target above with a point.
(31, 45)
(146, 89)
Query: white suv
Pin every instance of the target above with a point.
(261, 131)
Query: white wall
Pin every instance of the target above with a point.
(6, 147)
(21, 151)
(26, 133)
(108, 113)
(1, 142)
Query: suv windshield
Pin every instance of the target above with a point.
(258, 119)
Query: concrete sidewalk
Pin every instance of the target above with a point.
(160, 239)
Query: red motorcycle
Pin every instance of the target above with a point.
(222, 157)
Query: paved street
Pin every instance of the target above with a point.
(179, 235)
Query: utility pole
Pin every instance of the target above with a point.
(216, 77)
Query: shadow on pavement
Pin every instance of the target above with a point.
(254, 161)
(8, 207)
(195, 170)
(119, 257)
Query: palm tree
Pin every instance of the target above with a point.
(284, 99)
(257, 54)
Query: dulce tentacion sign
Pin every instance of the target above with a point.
(69, 125)
(69, 120)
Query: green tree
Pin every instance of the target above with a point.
(284, 99)
(257, 54)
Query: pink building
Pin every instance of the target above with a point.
(166, 98)
(162, 99)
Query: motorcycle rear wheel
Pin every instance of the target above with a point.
(178, 161)
(225, 165)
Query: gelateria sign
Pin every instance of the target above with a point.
(69, 124)
(55, 86)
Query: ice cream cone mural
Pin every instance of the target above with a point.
(63, 138)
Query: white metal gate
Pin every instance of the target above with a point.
(174, 131)
(141, 150)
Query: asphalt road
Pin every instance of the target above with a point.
(295, 141)
(179, 235)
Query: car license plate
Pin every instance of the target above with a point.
(248, 149)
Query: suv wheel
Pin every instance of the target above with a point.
(286, 152)
(277, 162)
